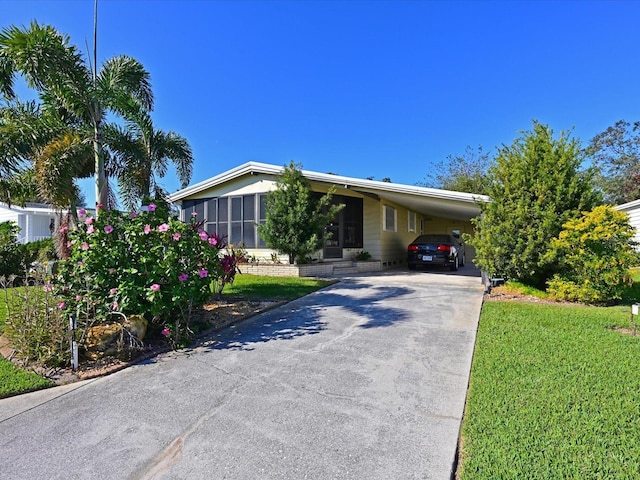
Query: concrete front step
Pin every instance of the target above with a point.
(345, 270)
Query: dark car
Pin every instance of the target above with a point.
(436, 250)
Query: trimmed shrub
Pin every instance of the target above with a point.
(595, 254)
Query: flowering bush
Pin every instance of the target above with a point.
(145, 263)
(596, 253)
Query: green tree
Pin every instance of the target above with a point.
(468, 172)
(536, 186)
(595, 254)
(296, 218)
(616, 154)
(66, 83)
(142, 154)
(9, 251)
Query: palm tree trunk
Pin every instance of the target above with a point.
(100, 177)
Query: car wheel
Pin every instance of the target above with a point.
(455, 265)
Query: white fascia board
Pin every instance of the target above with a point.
(338, 180)
(627, 206)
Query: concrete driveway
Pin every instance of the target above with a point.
(365, 379)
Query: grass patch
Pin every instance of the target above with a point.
(553, 394)
(259, 287)
(517, 288)
(14, 381)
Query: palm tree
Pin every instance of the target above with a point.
(80, 95)
(50, 152)
(142, 155)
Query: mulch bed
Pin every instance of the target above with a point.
(214, 317)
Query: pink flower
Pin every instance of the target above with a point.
(99, 206)
(155, 287)
(133, 215)
(194, 214)
(183, 277)
(82, 212)
(147, 229)
(203, 273)
(108, 229)
(64, 228)
(176, 236)
(85, 246)
(113, 291)
(61, 305)
(90, 229)
(112, 271)
(88, 221)
(115, 305)
(69, 244)
(152, 207)
(47, 287)
(166, 332)
(213, 241)
(203, 235)
(163, 228)
(80, 264)
(78, 298)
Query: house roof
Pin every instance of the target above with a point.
(625, 207)
(30, 207)
(427, 201)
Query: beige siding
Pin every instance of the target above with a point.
(634, 221)
(394, 244)
(245, 185)
(371, 228)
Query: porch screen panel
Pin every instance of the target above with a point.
(223, 218)
(249, 221)
(353, 213)
(236, 220)
(199, 209)
(262, 217)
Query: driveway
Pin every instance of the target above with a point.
(365, 379)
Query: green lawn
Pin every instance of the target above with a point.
(554, 393)
(14, 380)
(281, 288)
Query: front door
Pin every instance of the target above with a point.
(333, 244)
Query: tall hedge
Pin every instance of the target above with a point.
(536, 185)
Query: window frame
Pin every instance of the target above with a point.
(386, 210)
(411, 221)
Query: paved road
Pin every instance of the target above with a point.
(363, 380)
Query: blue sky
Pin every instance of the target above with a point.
(363, 88)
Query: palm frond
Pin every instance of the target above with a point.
(57, 168)
(122, 79)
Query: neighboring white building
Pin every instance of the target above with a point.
(379, 217)
(37, 221)
(633, 210)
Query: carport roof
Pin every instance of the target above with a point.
(426, 201)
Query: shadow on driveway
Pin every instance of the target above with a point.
(304, 316)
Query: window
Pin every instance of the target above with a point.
(389, 221)
(412, 221)
(236, 218)
(231, 218)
